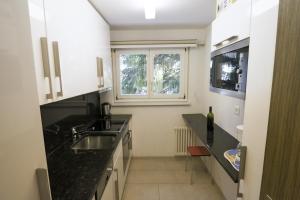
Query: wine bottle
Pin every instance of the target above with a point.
(210, 120)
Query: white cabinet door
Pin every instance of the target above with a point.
(101, 44)
(105, 53)
(108, 193)
(118, 172)
(44, 77)
(76, 35)
(233, 21)
(69, 23)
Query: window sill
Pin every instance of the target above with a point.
(158, 102)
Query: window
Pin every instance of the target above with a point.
(150, 75)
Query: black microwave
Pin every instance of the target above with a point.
(228, 70)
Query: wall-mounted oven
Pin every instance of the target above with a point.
(228, 71)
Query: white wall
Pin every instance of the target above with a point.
(260, 75)
(223, 109)
(153, 125)
(223, 106)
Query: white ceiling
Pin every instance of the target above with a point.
(122, 14)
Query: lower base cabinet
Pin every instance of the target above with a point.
(108, 193)
(115, 185)
(118, 172)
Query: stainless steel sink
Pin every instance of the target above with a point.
(95, 142)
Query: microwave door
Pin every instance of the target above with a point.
(223, 72)
(228, 70)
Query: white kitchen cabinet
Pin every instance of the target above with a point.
(105, 53)
(76, 36)
(44, 74)
(82, 36)
(108, 193)
(118, 172)
(232, 23)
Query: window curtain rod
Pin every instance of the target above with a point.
(155, 44)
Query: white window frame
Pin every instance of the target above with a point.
(182, 73)
(117, 75)
(151, 98)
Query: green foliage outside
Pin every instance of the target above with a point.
(133, 74)
(166, 74)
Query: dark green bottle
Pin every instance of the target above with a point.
(210, 120)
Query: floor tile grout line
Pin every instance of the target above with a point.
(160, 185)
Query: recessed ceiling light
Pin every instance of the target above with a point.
(150, 11)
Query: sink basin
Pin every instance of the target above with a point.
(95, 142)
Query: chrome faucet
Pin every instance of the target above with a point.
(77, 131)
(74, 133)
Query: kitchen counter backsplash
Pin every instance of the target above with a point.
(58, 118)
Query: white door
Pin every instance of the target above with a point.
(21, 143)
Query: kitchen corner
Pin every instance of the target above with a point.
(81, 173)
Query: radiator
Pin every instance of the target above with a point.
(184, 138)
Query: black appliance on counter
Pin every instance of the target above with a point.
(228, 72)
(106, 108)
(106, 115)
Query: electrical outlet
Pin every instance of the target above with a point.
(237, 110)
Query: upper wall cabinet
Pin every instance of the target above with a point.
(72, 49)
(40, 49)
(232, 24)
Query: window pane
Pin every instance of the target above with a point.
(166, 74)
(133, 74)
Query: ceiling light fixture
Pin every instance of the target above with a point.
(150, 11)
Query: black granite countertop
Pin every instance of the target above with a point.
(217, 141)
(74, 175)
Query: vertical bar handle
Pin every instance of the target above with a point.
(57, 66)
(43, 184)
(100, 72)
(117, 186)
(243, 150)
(46, 65)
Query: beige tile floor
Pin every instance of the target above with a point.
(166, 179)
